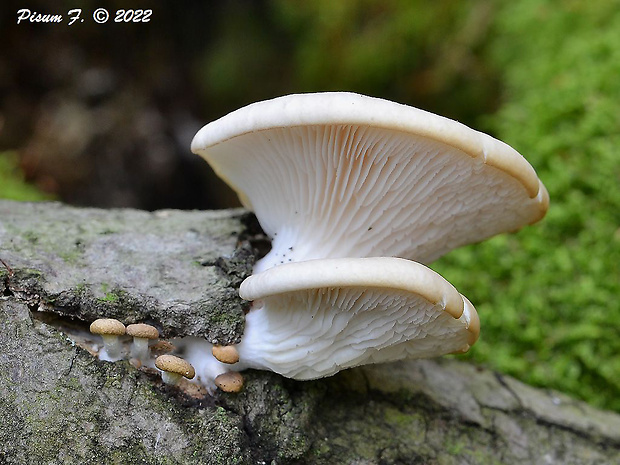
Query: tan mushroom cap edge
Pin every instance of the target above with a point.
(107, 326)
(225, 354)
(173, 364)
(142, 330)
(386, 273)
(231, 381)
(474, 324)
(344, 108)
(161, 348)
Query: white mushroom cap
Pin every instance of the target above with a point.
(345, 175)
(314, 318)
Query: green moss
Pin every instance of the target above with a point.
(547, 296)
(30, 236)
(81, 289)
(455, 448)
(109, 297)
(113, 380)
(73, 383)
(71, 256)
(397, 417)
(114, 296)
(323, 449)
(12, 183)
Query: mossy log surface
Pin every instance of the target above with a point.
(180, 270)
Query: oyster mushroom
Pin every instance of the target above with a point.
(344, 175)
(314, 318)
(335, 177)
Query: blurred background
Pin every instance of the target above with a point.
(103, 115)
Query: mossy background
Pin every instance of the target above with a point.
(12, 183)
(542, 75)
(548, 296)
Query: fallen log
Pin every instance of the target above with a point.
(62, 267)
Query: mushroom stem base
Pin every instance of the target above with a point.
(170, 378)
(112, 349)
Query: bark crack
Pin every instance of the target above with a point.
(500, 379)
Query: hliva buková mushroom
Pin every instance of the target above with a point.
(338, 174)
(334, 175)
(314, 318)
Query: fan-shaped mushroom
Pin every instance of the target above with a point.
(314, 318)
(344, 175)
(336, 175)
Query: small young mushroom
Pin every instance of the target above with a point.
(231, 381)
(225, 354)
(161, 348)
(141, 334)
(109, 329)
(198, 352)
(174, 368)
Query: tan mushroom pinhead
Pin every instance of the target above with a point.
(141, 334)
(230, 382)
(142, 330)
(107, 327)
(173, 368)
(161, 348)
(226, 354)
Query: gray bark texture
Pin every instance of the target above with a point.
(64, 267)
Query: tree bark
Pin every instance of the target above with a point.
(59, 404)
